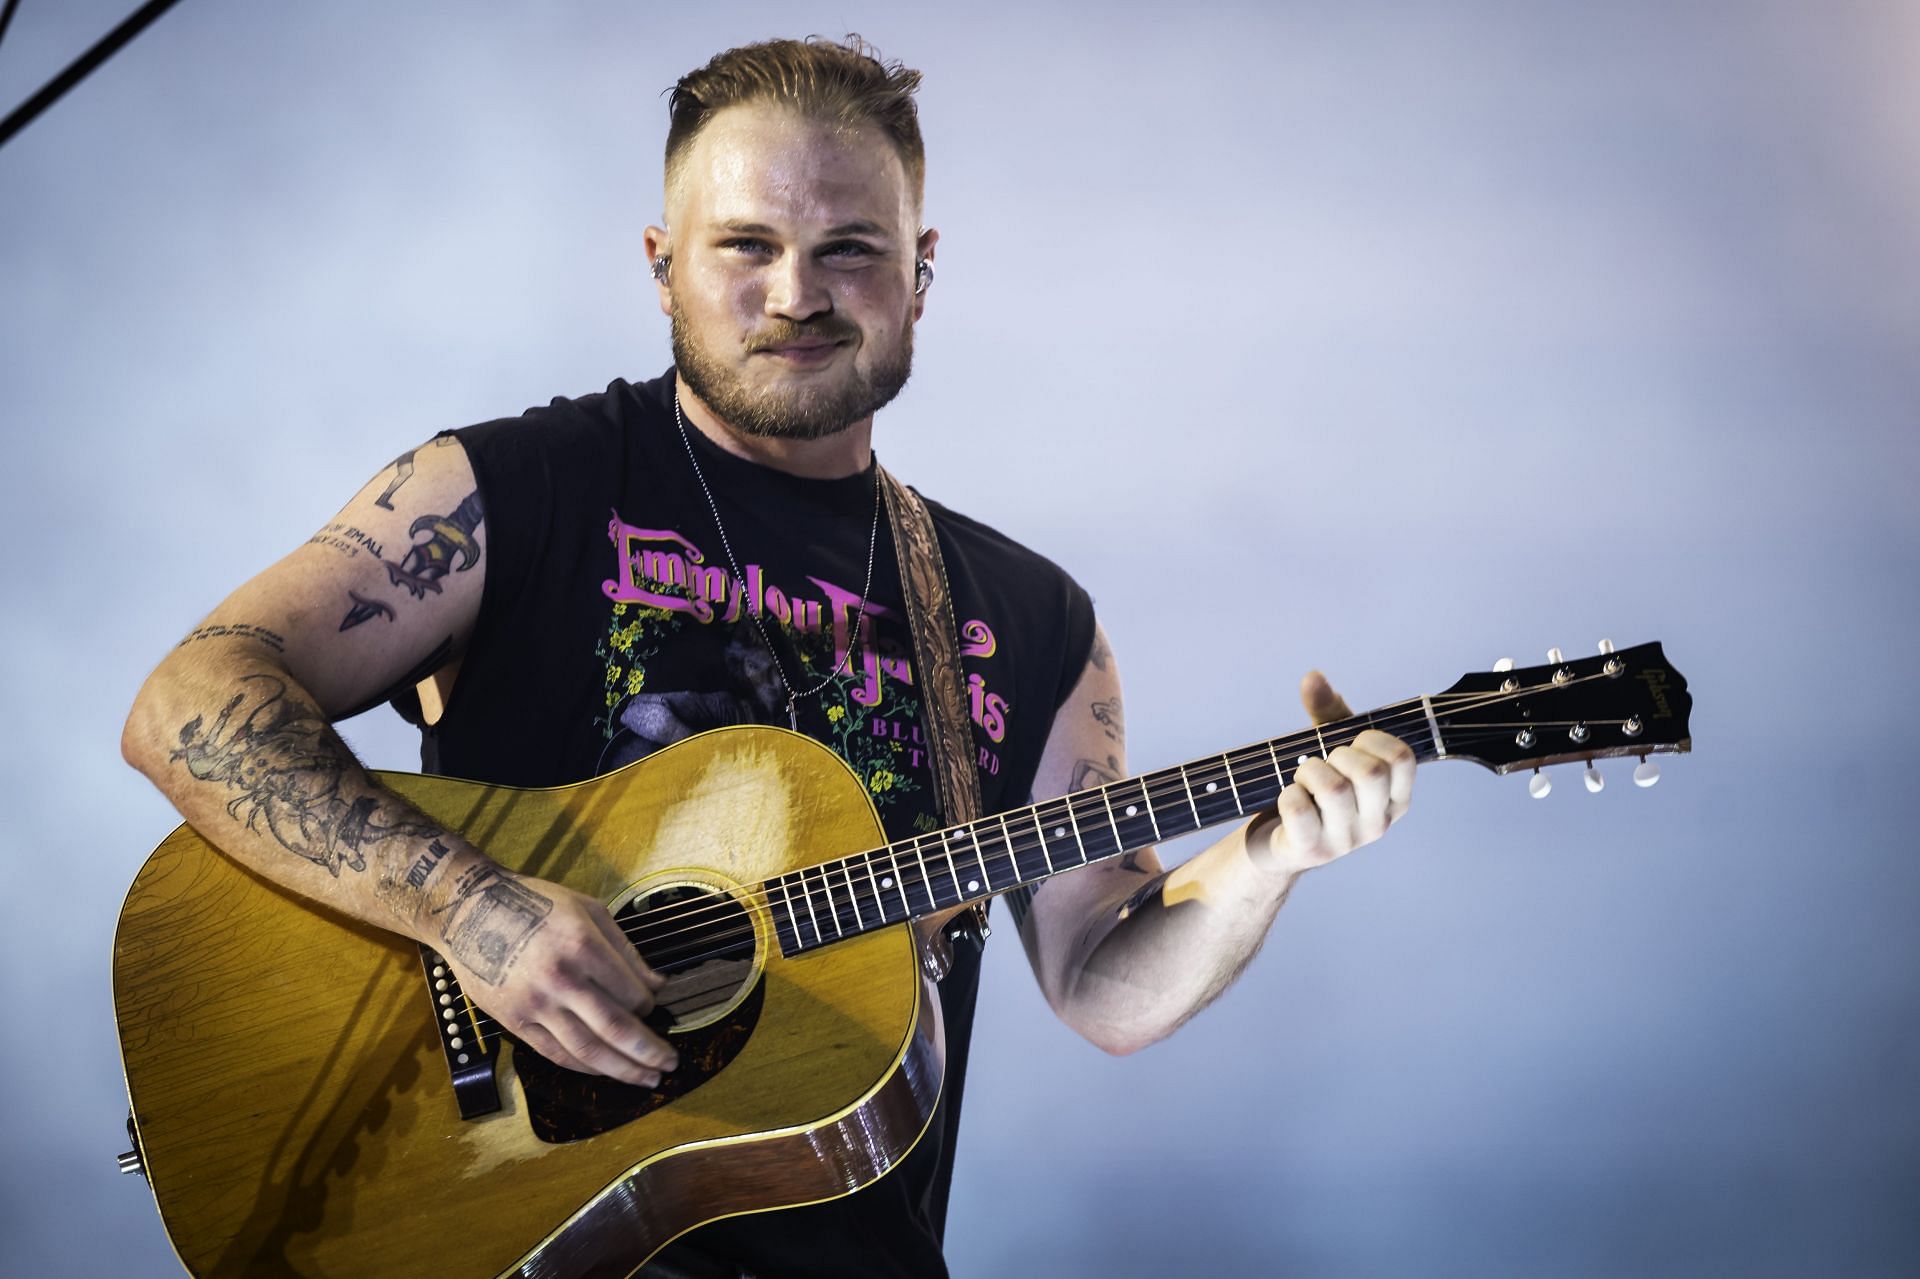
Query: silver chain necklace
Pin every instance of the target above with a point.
(853, 637)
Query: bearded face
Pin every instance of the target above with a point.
(811, 408)
(792, 266)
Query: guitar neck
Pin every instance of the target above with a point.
(946, 868)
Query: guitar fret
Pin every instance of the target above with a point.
(952, 870)
(1187, 782)
(899, 881)
(1107, 802)
(1279, 774)
(1040, 830)
(1232, 786)
(1075, 822)
(786, 895)
(1146, 802)
(853, 896)
(833, 907)
(879, 903)
(817, 934)
(1020, 875)
(979, 859)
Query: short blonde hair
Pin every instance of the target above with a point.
(842, 82)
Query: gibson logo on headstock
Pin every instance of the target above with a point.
(1657, 689)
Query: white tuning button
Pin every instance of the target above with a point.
(1606, 646)
(1539, 785)
(1647, 774)
(1595, 782)
(1504, 664)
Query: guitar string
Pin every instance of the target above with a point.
(1011, 849)
(1250, 757)
(756, 897)
(1253, 757)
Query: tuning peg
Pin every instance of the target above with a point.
(1504, 664)
(1595, 782)
(1553, 657)
(1647, 774)
(1539, 785)
(1606, 646)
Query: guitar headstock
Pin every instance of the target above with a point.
(1630, 702)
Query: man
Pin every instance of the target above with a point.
(749, 579)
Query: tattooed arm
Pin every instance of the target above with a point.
(1125, 951)
(234, 726)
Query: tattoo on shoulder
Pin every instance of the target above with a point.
(288, 775)
(1088, 772)
(237, 630)
(449, 546)
(1110, 719)
(402, 467)
(1100, 655)
(489, 920)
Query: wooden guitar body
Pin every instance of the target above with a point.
(290, 1085)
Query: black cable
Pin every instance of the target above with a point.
(6, 16)
(110, 44)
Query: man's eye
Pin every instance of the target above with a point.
(747, 246)
(848, 249)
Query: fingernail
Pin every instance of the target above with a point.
(673, 1063)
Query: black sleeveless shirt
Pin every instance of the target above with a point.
(611, 624)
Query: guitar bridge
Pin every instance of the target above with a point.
(470, 1050)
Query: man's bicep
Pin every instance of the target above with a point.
(384, 593)
(1086, 746)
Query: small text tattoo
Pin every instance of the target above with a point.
(347, 539)
(489, 919)
(238, 630)
(424, 864)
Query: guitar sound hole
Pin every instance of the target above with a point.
(701, 941)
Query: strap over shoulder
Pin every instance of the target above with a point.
(936, 664)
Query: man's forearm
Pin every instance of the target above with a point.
(1155, 958)
(249, 759)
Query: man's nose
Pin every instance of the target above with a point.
(796, 289)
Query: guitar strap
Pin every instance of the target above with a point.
(936, 663)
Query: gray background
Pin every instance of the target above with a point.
(1385, 340)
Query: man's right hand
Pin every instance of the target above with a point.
(553, 967)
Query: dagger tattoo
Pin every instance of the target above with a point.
(449, 547)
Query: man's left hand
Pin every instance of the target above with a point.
(1338, 803)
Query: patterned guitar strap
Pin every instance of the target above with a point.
(936, 663)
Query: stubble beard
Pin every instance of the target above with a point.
(812, 413)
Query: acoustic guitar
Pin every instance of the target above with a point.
(315, 1096)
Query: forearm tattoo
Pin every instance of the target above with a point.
(237, 630)
(448, 547)
(290, 775)
(489, 920)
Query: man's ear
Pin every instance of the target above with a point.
(922, 252)
(659, 263)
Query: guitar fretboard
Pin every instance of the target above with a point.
(930, 873)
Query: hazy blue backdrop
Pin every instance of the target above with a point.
(1391, 339)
